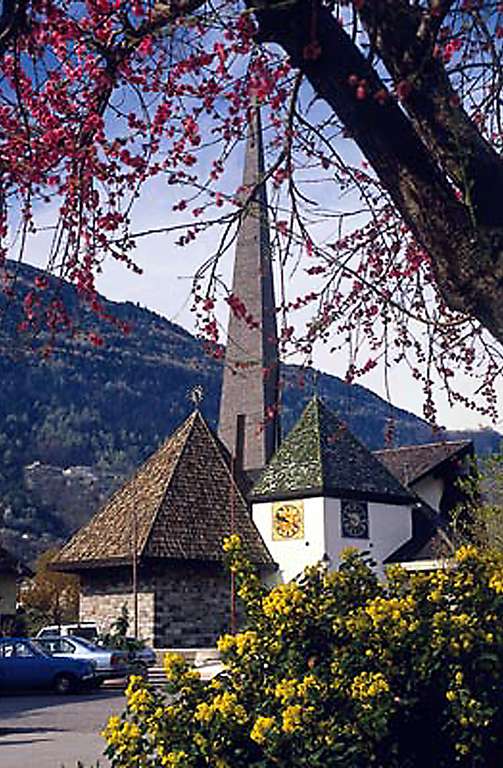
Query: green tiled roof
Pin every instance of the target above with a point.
(321, 457)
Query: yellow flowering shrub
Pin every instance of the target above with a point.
(337, 670)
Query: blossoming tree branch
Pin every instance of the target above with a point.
(383, 148)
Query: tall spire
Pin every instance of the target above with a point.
(248, 422)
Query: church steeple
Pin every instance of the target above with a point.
(248, 423)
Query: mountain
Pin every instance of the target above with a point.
(75, 422)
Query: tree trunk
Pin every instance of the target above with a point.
(467, 256)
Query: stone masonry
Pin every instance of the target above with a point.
(104, 592)
(192, 605)
(181, 604)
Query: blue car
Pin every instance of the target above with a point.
(24, 665)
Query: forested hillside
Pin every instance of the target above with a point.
(107, 407)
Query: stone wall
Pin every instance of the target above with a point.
(181, 605)
(192, 605)
(104, 592)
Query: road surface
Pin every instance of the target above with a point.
(42, 730)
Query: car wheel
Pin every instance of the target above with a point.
(64, 684)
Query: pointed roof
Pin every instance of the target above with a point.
(178, 505)
(250, 380)
(321, 457)
(410, 463)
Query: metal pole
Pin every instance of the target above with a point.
(135, 575)
(233, 528)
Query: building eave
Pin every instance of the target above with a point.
(334, 493)
(81, 566)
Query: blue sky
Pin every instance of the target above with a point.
(165, 285)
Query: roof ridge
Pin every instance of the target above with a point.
(422, 445)
(189, 423)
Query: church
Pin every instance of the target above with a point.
(156, 544)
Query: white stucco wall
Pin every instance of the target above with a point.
(430, 489)
(390, 526)
(293, 555)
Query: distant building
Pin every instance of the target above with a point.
(12, 572)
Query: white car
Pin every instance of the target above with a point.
(108, 664)
(86, 629)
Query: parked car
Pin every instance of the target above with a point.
(85, 629)
(108, 663)
(140, 655)
(23, 664)
(144, 656)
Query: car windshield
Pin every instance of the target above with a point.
(86, 643)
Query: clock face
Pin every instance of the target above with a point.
(287, 520)
(355, 519)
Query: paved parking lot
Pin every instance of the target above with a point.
(42, 730)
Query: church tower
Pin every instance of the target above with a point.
(249, 422)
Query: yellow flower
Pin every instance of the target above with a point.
(282, 600)
(292, 718)
(175, 759)
(261, 728)
(139, 700)
(246, 642)
(226, 643)
(309, 683)
(368, 685)
(496, 583)
(174, 666)
(203, 713)
(466, 552)
(135, 682)
(286, 690)
(224, 704)
(232, 543)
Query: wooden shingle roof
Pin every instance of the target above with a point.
(321, 457)
(180, 504)
(412, 462)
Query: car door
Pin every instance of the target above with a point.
(22, 667)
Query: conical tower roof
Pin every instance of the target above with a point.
(250, 381)
(321, 457)
(180, 505)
